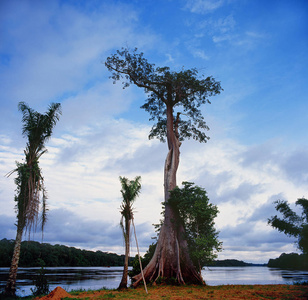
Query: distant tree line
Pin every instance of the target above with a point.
(33, 253)
(289, 261)
(233, 263)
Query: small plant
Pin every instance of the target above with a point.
(110, 295)
(81, 290)
(40, 281)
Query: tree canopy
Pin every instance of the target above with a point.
(130, 189)
(197, 215)
(185, 91)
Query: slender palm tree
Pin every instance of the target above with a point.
(130, 190)
(31, 195)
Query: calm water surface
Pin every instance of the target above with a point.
(95, 278)
(251, 275)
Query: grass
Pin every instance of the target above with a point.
(167, 292)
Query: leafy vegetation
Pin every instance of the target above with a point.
(144, 260)
(289, 261)
(293, 224)
(233, 263)
(34, 253)
(40, 282)
(197, 216)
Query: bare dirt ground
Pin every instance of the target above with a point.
(228, 292)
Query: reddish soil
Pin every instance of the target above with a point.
(57, 294)
(229, 292)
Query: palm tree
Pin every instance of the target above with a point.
(31, 195)
(130, 190)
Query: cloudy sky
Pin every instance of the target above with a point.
(54, 51)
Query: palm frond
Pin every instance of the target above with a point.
(304, 203)
(122, 227)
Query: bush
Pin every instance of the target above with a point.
(40, 281)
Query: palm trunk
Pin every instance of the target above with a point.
(123, 283)
(171, 258)
(10, 289)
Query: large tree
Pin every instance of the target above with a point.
(130, 190)
(174, 100)
(291, 223)
(197, 216)
(31, 195)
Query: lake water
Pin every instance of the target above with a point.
(95, 278)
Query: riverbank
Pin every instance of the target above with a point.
(294, 292)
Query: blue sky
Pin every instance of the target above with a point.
(53, 51)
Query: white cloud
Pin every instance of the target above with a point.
(200, 53)
(223, 38)
(81, 174)
(203, 6)
(244, 182)
(225, 25)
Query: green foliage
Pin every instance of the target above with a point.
(23, 197)
(34, 253)
(144, 260)
(292, 224)
(110, 295)
(197, 216)
(289, 261)
(130, 190)
(184, 91)
(38, 127)
(40, 281)
(233, 263)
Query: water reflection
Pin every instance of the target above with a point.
(251, 275)
(69, 278)
(98, 277)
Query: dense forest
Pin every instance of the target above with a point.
(233, 263)
(289, 261)
(34, 253)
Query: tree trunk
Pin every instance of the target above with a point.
(123, 283)
(10, 289)
(171, 259)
